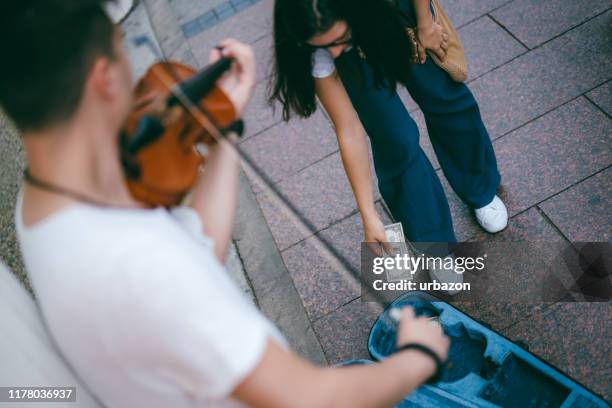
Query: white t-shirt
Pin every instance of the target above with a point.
(140, 306)
(322, 63)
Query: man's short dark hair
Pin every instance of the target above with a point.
(49, 47)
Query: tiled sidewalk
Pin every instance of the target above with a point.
(541, 73)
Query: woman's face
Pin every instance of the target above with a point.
(335, 40)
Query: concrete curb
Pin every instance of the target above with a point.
(168, 33)
(269, 279)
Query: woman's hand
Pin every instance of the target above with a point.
(375, 236)
(239, 81)
(432, 36)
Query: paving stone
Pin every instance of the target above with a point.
(542, 79)
(534, 22)
(500, 315)
(534, 265)
(224, 11)
(527, 226)
(464, 223)
(309, 140)
(141, 57)
(343, 334)
(529, 262)
(347, 235)
(10, 254)
(487, 46)
(259, 115)
(552, 153)
(321, 282)
(207, 20)
(411, 105)
(191, 28)
(582, 212)
(169, 36)
(320, 192)
(184, 55)
(241, 4)
(566, 335)
(264, 54)
(247, 26)
(12, 158)
(234, 268)
(600, 290)
(189, 10)
(461, 12)
(602, 97)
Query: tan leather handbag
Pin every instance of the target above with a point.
(454, 63)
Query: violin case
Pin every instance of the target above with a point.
(484, 368)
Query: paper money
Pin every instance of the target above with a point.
(397, 241)
(395, 233)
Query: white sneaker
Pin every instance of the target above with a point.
(493, 217)
(446, 275)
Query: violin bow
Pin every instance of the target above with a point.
(328, 252)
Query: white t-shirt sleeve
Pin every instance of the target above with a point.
(184, 330)
(322, 63)
(191, 221)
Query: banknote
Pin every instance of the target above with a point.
(397, 241)
(395, 233)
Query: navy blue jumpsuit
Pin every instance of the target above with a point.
(406, 179)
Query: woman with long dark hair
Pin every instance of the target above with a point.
(352, 55)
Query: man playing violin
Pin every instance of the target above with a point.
(135, 297)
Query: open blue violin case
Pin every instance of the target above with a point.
(484, 368)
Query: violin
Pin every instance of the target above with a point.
(162, 144)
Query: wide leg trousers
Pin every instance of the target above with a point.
(406, 179)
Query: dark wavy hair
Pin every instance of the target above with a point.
(377, 27)
(49, 47)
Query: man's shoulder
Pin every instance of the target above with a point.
(158, 236)
(120, 225)
(110, 237)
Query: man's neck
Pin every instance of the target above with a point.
(81, 157)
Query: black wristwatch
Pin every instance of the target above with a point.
(440, 365)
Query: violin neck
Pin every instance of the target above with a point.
(197, 86)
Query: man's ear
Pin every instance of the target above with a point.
(103, 78)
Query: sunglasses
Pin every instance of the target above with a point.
(345, 39)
